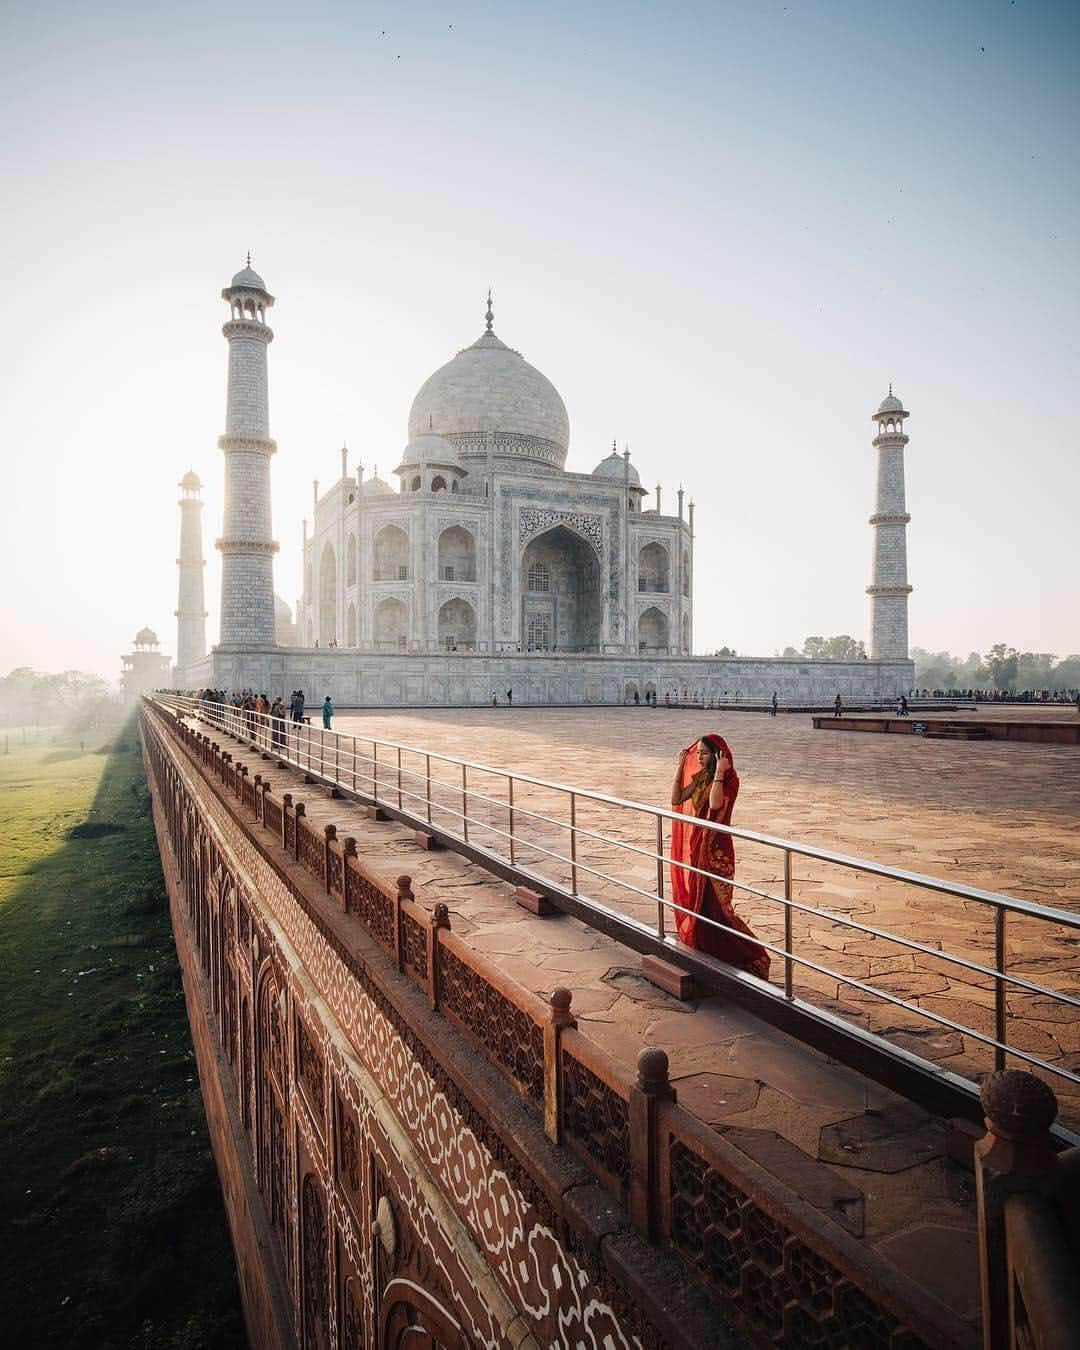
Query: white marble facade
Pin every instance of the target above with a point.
(490, 545)
(491, 566)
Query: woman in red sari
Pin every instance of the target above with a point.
(705, 787)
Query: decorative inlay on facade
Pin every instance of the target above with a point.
(536, 520)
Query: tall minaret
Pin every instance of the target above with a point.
(889, 589)
(247, 550)
(191, 603)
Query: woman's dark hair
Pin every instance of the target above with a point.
(710, 751)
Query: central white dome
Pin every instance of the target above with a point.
(489, 396)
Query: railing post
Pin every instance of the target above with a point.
(299, 813)
(375, 772)
(440, 918)
(258, 797)
(661, 917)
(559, 1017)
(240, 782)
(399, 777)
(464, 804)
(510, 786)
(1000, 1007)
(286, 803)
(428, 788)
(329, 835)
(348, 850)
(1015, 1154)
(354, 763)
(789, 965)
(337, 758)
(573, 843)
(652, 1088)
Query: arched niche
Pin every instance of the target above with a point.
(391, 625)
(457, 626)
(391, 554)
(654, 569)
(653, 631)
(457, 554)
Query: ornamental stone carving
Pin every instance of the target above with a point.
(533, 520)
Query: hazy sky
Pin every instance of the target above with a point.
(720, 230)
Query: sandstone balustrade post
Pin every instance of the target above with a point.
(651, 1089)
(404, 892)
(262, 803)
(348, 851)
(286, 807)
(244, 773)
(1015, 1155)
(329, 835)
(559, 1017)
(301, 811)
(258, 795)
(440, 920)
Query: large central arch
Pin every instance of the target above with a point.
(561, 607)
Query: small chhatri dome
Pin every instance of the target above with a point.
(615, 467)
(191, 482)
(489, 395)
(429, 449)
(376, 487)
(146, 637)
(248, 279)
(890, 404)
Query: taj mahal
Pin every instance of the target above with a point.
(490, 566)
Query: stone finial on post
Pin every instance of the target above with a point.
(1015, 1155)
(559, 1017)
(651, 1089)
(286, 804)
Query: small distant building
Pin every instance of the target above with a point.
(145, 667)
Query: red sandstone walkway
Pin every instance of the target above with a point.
(994, 815)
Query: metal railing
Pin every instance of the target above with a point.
(619, 883)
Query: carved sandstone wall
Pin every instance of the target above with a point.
(409, 1140)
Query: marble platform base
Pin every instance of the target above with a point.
(356, 679)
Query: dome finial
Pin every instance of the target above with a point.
(247, 261)
(890, 387)
(489, 317)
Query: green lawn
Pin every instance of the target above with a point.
(115, 1233)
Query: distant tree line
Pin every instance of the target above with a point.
(842, 647)
(72, 699)
(1002, 667)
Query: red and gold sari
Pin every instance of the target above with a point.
(713, 852)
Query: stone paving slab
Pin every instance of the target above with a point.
(776, 1084)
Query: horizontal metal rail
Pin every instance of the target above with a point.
(379, 770)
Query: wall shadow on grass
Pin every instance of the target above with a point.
(113, 1223)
